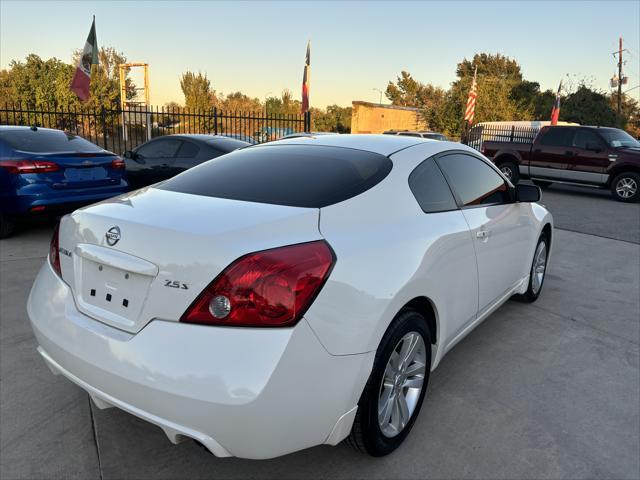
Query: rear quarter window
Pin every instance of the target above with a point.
(47, 141)
(558, 137)
(293, 175)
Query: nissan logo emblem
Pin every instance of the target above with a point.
(113, 235)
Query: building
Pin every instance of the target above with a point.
(369, 117)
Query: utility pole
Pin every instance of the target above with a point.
(620, 83)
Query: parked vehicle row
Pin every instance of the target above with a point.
(418, 133)
(285, 301)
(166, 156)
(599, 157)
(47, 171)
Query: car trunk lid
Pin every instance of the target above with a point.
(79, 170)
(149, 254)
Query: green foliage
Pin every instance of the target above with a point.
(333, 119)
(45, 83)
(197, 91)
(283, 105)
(588, 108)
(503, 95)
(491, 66)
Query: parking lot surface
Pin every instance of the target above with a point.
(543, 390)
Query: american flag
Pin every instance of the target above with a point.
(306, 80)
(555, 111)
(470, 111)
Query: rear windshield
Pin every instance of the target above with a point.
(226, 144)
(294, 175)
(47, 141)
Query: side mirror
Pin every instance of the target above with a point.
(128, 154)
(527, 193)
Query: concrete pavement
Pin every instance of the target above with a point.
(547, 390)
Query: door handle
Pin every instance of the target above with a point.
(482, 234)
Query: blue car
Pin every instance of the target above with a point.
(44, 171)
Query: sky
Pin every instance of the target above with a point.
(356, 47)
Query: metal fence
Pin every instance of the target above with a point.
(120, 130)
(499, 133)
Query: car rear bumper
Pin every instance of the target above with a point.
(251, 393)
(57, 200)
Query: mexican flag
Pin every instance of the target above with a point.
(80, 82)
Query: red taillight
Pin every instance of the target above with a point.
(117, 163)
(54, 251)
(29, 166)
(271, 288)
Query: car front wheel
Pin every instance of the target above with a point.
(395, 390)
(626, 187)
(538, 271)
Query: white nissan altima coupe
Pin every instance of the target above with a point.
(290, 294)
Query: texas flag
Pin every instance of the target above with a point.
(82, 76)
(306, 80)
(555, 111)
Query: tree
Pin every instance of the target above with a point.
(198, 94)
(490, 65)
(239, 102)
(408, 92)
(333, 119)
(588, 107)
(42, 83)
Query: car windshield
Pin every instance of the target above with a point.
(293, 175)
(618, 138)
(47, 141)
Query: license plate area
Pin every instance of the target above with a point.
(86, 174)
(112, 294)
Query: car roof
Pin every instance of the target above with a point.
(26, 127)
(376, 143)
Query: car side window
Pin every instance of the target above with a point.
(163, 148)
(558, 137)
(430, 188)
(586, 139)
(188, 150)
(475, 182)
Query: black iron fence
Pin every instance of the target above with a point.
(499, 133)
(120, 130)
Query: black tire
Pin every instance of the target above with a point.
(632, 180)
(532, 293)
(510, 170)
(542, 184)
(366, 434)
(7, 226)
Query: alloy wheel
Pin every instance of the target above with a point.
(507, 172)
(539, 267)
(401, 384)
(626, 187)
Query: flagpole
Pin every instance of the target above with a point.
(467, 124)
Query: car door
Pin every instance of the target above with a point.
(452, 258)
(591, 159)
(500, 227)
(155, 161)
(552, 153)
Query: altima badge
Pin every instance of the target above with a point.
(113, 235)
